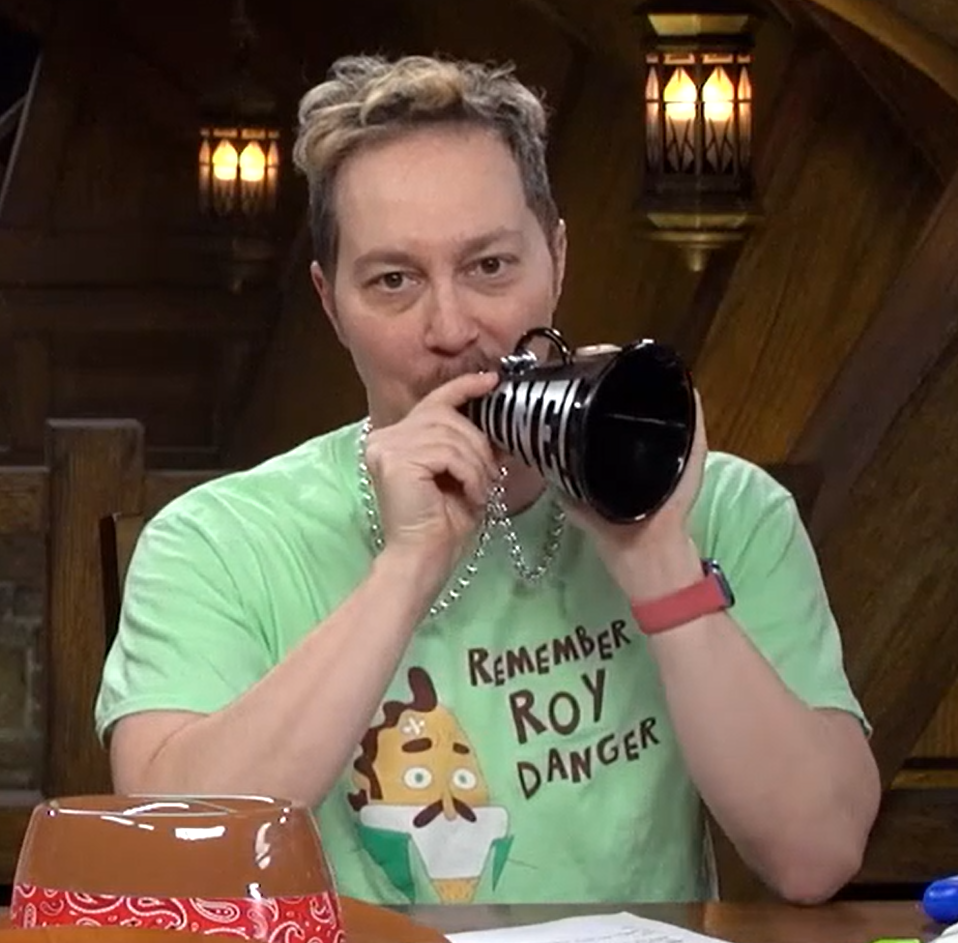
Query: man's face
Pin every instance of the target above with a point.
(441, 264)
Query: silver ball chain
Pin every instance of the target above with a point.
(496, 517)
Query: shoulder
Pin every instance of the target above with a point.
(739, 500)
(731, 482)
(315, 480)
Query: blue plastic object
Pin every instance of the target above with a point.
(940, 900)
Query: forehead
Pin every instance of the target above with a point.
(438, 726)
(429, 188)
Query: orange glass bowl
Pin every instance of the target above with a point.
(246, 866)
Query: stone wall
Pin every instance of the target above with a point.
(22, 562)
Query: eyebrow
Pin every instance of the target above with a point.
(460, 748)
(417, 746)
(470, 247)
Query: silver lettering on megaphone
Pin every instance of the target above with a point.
(532, 419)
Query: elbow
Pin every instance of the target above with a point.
(813, 876)
(816, 884)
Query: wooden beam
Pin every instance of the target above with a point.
(566, 24)
(913, 838)
(891, 566)
(918, 319)
(161, 487)
(13, 826)
(926, 114)
(609, 31)
(23, 500)
(887, 454)
(10, 119)
(924, 51)
(31, 257)
(31, 391)
(34, 16)
(96, 470)
(52, 109)
(29, 311)
(811, 276)
(688, 335)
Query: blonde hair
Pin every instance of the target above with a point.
(368, 99)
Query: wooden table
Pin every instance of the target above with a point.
(845, 922)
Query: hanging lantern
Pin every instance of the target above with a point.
(239, 146)
(698, 189)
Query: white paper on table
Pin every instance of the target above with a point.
(603, 928)
(949, 934)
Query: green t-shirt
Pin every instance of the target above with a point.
(523, 751)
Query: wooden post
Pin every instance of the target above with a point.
(96, 469)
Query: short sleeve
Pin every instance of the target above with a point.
(186, 640)
(751, 525)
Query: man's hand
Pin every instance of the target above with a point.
(433, 471)
(630, 551)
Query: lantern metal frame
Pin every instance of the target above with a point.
(240, 158)
(698, 111)
(238, 122)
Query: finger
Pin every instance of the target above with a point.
(462, 389)
(431, 424)
(467, 431)
(460, 465)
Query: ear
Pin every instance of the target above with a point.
(324, 288)
(560, 243)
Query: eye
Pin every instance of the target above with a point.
(391, 281)
(464, 779)
(492, 265)
(417, 777)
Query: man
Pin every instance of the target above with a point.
(279, 624)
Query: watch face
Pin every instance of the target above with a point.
(712, 566)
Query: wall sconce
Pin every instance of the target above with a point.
(239, 155)
(698, 190)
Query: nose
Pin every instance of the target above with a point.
(448, 809)
(450, 326)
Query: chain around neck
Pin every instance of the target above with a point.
(496, 519)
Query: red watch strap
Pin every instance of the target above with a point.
(701, 598)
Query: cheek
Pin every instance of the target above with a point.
(381, 353)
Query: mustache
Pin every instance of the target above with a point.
(434, 809)
(471, 363)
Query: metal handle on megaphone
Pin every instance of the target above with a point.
(523, 358)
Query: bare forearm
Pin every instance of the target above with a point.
(794, 792)
(794, 788)
(293, 732)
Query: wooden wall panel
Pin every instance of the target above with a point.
(496, 30)
(918, 41)
(841, 216)
(30, 188)
(907, 334)
(617, 285)
(305, 383)
(178, 361)
(168, 383)
(892, 568)
(940, 739)
(928, 115)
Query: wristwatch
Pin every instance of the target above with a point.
(710, 594)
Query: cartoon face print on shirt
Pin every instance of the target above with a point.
(420, 783)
